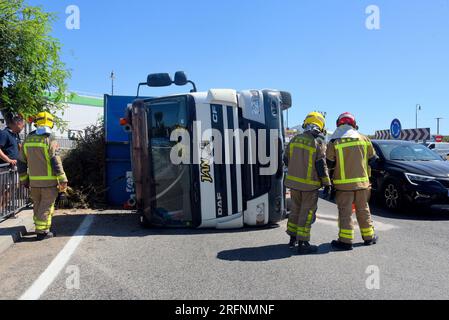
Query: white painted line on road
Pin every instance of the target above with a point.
(58, 263)
(332, 220)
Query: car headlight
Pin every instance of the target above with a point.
(417, 178)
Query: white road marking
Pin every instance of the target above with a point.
(332, 220)
(58, 263)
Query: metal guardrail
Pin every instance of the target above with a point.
(66, 144)
(13, 197)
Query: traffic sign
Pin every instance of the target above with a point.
(416, 134)
(396, 129)
(383, 135)
(438, 138)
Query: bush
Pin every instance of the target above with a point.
(85, 167)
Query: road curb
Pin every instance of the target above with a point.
(13, 229)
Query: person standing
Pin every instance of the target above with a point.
(9, 153)
(350, 154)
(10, 140)
(40, 168)
(307, 173)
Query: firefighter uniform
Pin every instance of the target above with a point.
(41, 169)
(350, 155)
(307, 172)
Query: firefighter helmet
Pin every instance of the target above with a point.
(44, 119)
(346, 118)
(315, 118)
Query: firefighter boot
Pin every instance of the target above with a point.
(374, 240)
(44, 236)
(341, 246)
(305, 247)
(292, 242)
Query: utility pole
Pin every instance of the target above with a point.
(112, 82)
(438, 125)
(418, 108)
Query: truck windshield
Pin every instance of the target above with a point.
(172, 182)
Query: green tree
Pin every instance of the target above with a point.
(32, 76)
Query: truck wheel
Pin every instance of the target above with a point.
(392, 196)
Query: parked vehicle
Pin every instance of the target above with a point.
(409, 173)
(442, 148)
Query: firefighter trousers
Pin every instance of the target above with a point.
(43, 207)
(302, 215)
(345, 201)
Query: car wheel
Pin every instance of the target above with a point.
(392, 195)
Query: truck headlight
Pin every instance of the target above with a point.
(417, 178)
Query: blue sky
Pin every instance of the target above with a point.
(319, 50)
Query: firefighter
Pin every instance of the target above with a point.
(307, 173)
(40, 168)
(350, 155)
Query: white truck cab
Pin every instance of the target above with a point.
(208, 159)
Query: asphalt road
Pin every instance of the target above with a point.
(116, 259)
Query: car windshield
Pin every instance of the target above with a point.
(172, 182)
(408, 152)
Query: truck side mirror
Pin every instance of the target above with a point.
(286, 100)
(159, 80)
(180, 78)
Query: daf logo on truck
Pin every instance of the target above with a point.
(219, 187)
(219, 204)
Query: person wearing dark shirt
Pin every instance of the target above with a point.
(9, 153)
(10, 141)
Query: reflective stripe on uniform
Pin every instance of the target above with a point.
(339, 148)
(292, 227)
(309, 218)
(302, 144)
(303, 232)
(346, 234)
(326, 180)
(305, 181)
(355, 180)
(44, 146)
(367, 232)
(42, 225)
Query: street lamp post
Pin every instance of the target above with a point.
(112, 82)
(418, 108)
(438, 125)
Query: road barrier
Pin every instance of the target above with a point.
(66, 144)
(13, 196)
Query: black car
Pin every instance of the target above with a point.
(409, 173)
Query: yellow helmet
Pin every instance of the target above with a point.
(315, 118)
(44, 119)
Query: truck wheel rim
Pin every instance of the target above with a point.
(391, 196)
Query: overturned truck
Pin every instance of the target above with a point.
(207, 159)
